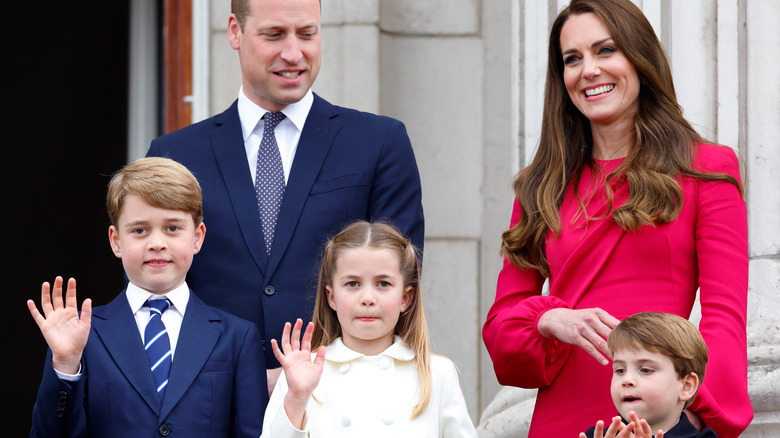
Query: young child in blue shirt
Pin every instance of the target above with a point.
(658, 362)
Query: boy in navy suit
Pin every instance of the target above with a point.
(209, 373)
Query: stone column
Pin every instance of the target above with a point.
(762, 162)
(349, 75)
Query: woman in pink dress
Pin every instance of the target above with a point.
(624, 208)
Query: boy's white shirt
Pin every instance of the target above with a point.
(172, 318)
(374, 396)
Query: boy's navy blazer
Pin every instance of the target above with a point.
(348, 165)
(217, 385)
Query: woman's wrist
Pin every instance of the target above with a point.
(544, 323)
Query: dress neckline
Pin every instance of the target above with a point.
(609, 165)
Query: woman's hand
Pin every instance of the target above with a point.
(585, 328)
(301, 373)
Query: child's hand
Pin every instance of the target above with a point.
(61, 326)
(635, 429)
(301, 373)
(643, 429)
(615, 429)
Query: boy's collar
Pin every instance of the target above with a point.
(682, 415)
(137, 296)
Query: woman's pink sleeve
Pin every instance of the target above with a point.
(721, 246)
(521, 356)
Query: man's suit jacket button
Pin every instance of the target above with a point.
(269, 290)
(164, 430)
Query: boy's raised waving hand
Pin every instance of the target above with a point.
(64, 329)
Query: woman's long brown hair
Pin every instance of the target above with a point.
(663, 142)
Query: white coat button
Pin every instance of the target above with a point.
(388, 420)
(344, 368)
(384, 363)
(346, 421)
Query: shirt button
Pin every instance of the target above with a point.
(384, 363)
(346, 421)
(344, 368)
(269, 290)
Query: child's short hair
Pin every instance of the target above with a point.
(411, 325)
(667, 334)
(160, 182)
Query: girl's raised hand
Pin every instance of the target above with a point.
(64, 330)
(301, 373)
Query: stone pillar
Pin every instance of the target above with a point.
(349, 75)
(500, 157)
(762, 158)
(225, 70)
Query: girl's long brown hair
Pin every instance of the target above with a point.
(663, 142)
(411, 325)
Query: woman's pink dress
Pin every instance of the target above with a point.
(597, 264)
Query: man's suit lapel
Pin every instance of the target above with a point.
(116, 327)
(228, 143)
(200, 331)
(315, 142)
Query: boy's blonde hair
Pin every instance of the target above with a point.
(411, 326)
(667, 334)
(160, 182)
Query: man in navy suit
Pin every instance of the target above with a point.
(205, 374)
(339, 164)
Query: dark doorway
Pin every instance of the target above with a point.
(66, 134)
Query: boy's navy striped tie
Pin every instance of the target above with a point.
(157, 344)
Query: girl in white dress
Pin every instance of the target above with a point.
(363, 367)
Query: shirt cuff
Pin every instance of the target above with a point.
(69, 377)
